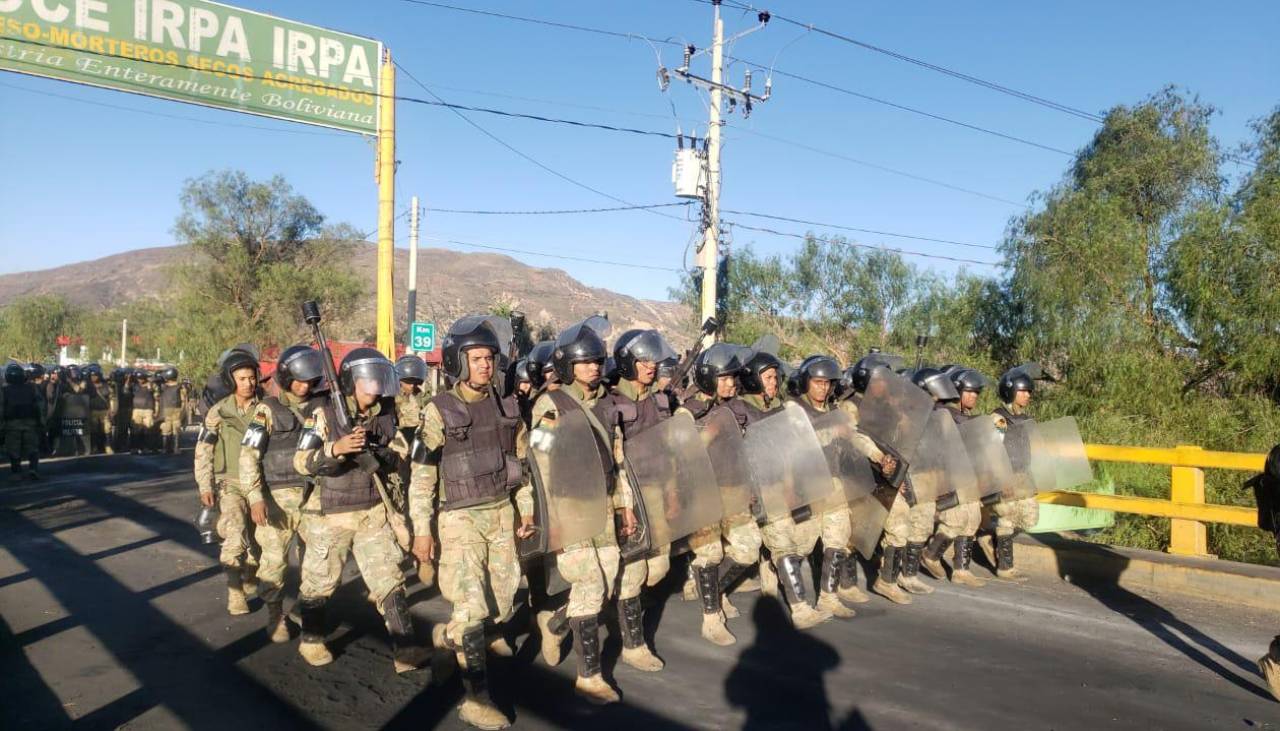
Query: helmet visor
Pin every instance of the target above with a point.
(374, 377)
(649, 346)
(499, 326)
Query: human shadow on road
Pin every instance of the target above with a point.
(778, 680)
(1097, 569)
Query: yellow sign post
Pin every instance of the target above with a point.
(385, 174)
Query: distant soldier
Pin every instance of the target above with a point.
(171, 406)
(1015, 389)
(958, 524)
(22, 417)
(72, 413)
(101, 411)
(1266, 491)
(122, 417)
(348, 511)
(217, 469)
(412, 372)
(466, 470)
(145, 409)
(274, 489)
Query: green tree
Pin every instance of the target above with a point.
(29, 326)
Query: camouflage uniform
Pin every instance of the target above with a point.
(409, 408)
(366, 533)
(171, 404)
(73, 406)
(591, 566)
(22, 426)
(740, 534)
(477, 544)
(784, 536)
(1012, 516)
(284, 504)
(650, 570)
(101, 415)
(146, 408)
(217, 471)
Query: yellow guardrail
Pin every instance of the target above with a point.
(1186, 506)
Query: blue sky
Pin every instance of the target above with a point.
(82, 181)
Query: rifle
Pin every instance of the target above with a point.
(311, 315)
(686, 363)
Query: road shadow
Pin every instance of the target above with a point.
(1097, 569)
(778, 680)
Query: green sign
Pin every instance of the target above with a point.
(422, 337)
(198, 52)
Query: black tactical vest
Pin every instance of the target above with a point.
(1011, 417)
(617, 410)
(282, 443)
(959, 416)
(20, 402)
(98, 397)
(478, 462)
(353, 487)
(699, 408)
(809, 409)
(746, 413)
(170, 396)
(75, 405)
(144, 399)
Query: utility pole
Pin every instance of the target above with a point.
(709, 251)
(124, 342)
(385, 175)
(412, 314)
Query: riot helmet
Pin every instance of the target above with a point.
(817, 366)
(74, 374)
(640, 346)
(299, 363)
(936, 384)
(1018, 378)
(474, 331)
(34, 371)
(411, 369)
(609, 372)
(968, 379)
(236, 360)
(539, 362)
(169, 373)
(15, 374)
(580, 343)
(368, 371)
(667, 367)
(859, 374)
(721, 359)
(749, 376)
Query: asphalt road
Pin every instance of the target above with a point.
(113, 616)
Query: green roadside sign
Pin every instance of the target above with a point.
(198, 52)
(422, 337)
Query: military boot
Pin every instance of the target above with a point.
(689, 591)
(988, 546)
(590, 684)
(910, 577)
(931, 560)
(277, 625)
(552, 627)
(730, 573)
(713, 625)
(829, 584)
(887, 582)
(1269, 664)
(849, 590)
(406, 653)
(791, 583)
(635, 651)
(477, 707)
(236, 601)
(1004, 560)
(768, 578)
(961, 559)
(311, 646)
(249, 575)
(730, 611)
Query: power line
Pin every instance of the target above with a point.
(874, 247)
(558, 211)
(550, 23)
(877, 166)
(588, 260)
(1048, 103)
(859, 230)
(526, 156)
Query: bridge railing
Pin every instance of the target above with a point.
(1185, 506)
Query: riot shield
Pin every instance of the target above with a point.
(673, 484)
(868, 515)
(570, 484)
(990, 461)
(894, 412)
(942, 464)
(1061, 455)
(723, 439)
(788, 468)
(849, 467)
(1032, 472)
